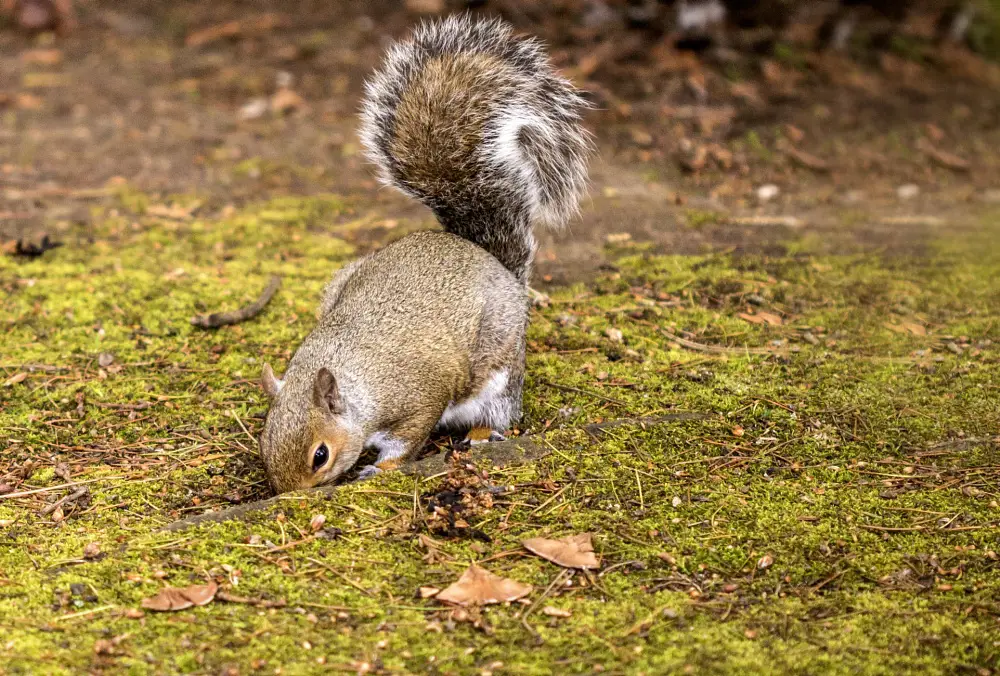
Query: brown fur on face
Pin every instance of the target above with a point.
(287, 449)
(323, 430)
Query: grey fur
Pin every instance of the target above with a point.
(476, 124)
(421, 324)
(528, 160)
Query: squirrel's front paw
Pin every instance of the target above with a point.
(367, 472)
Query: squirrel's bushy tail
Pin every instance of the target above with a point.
(475, 123)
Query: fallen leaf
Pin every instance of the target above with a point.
(285, 100)
(230, 29)
(427, 592)
(478, 586)
(41, 57)
(176, 598)
(91, 551)
(907, 327)
(15, 379)
(641, 137)
(317, 522)
(765, 562)
(761, 318)
(44, 80)
(425, 6)
(174, 211)
(26, 101)
(253, 109)
(552, 611)
(738, 431)
(574, 551)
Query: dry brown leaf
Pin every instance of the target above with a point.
(176, 598)
(478, 586)
(574, 551)
(230, 29)
(41, 57)
(552, 611)
(427, 592)
(285, 100)
(15, 379)
(907, 327)
(28, 102)
(425, 6)
(765, 561)
(761, 318)
(174, 211)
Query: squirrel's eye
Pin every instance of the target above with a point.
(320, 456)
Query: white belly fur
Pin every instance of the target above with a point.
(485, 409)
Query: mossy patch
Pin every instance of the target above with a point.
(834, 511)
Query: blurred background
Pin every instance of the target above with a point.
(720, 124)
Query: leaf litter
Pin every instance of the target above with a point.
(478, 586)
(573, 551)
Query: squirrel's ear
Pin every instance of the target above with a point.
(270, 384)
(326, 395)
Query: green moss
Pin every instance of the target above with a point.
(833, 511)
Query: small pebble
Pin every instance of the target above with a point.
(253, 109)
(768, 192)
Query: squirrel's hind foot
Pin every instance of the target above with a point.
(482, 435)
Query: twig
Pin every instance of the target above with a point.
(223, 595)
(217, 319)
(84, 613)
(72, 497)
(719, 349)
(23, 494)
(568, 388)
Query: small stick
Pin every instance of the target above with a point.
(217, 319)
(588, 393)
(719, 349)
(72, 497)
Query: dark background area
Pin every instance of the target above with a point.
(237, 101)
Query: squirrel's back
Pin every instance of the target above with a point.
(475, 123)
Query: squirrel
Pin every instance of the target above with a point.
(429, 332)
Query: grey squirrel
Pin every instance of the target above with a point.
(430, 331)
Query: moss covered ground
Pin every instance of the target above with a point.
(834, 510)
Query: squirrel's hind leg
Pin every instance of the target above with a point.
(496, 405)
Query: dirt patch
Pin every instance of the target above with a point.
(163, 96)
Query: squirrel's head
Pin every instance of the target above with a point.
(308, 438)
